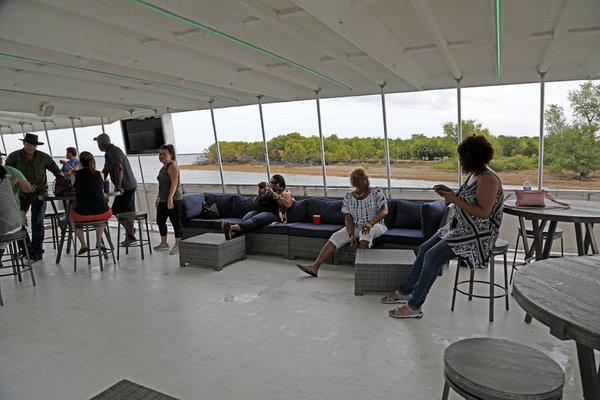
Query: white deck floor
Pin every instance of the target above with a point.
(259, 329)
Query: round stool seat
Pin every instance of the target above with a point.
(501, 246)
(490, 368)
(558, 233)
(132, 216)
(19, 235)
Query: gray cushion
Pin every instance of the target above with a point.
(408, 214)
(330, 210)
(311, 230)
(431, 217)
(192, 205)
(410, 237)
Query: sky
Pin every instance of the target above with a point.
(509, 110)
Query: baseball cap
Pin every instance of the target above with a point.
(102, 138)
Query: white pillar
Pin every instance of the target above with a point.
(212, 116)
(459, 137)
(387, 143)
(74, 133)
(144, 186)
(264, 136)
(102, 124)
(47, 138)
(168, 130)
(541, 143)
(2, 137)
(321, 141)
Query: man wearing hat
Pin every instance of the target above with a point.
(117, 166)
(33, 164)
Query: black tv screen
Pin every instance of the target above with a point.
(143, 135)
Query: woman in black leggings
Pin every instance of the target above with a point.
(168, 203)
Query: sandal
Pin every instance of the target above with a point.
(393, 298)
(306, 270)
(405, 312)
(82, 251)
(226, 228)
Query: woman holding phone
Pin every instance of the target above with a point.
(470, 232)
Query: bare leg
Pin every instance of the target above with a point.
(325, 253)
(129, 228)
(177, 241)
(163, 240)
(99, 232)
(364, 244)
(81, 237)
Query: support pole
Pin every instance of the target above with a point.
(212, 116)
(321, 141)
(459, 137)
(2, 137)
(102, 124)
(541, 143)
(74, 133)
(387, 143)
(144, 185)
(47, 137)
(262, 126)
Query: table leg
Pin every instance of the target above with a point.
(549, 239)
(591, 238)
(64, 226)
(537, 239)
(589, 376)
(579, 239)
(526, 247)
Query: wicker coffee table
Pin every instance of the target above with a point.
(211, 250)
(381, 269)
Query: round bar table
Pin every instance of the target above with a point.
(581, 214)
(564, 294)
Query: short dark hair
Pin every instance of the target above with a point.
(279, 179)
(87, 160)
(171, 149)
(72, 150)
(475, 153)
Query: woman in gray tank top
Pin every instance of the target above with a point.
(168, 203)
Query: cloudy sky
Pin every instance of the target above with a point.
(509, 110)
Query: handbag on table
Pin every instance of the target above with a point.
(536, 198)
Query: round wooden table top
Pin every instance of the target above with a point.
(581, 211)
(564, 294)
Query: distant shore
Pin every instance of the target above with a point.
(416, 170)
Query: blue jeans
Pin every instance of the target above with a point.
(256, 219)
(433, 254)
(38, 211)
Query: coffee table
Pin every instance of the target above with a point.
(381, 269)
(211, 250)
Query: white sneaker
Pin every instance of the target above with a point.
(161, 247)
(174, 250)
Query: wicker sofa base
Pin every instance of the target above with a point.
(381, 270)
(266, 243)
(307, 247)
(211, 250)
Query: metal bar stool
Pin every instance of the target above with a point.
(558, 234)
(19, 263)
(500, 248)
(54, 219)
(139, 217)
(99, 251)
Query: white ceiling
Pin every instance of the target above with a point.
(117, 58)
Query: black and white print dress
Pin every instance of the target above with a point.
(470, 237)
(364, 210)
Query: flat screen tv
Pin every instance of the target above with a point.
(143, 135)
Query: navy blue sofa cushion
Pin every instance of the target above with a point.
(410, 237)
(275, 229)
(224, 203)
(408, 214)
(330, 210)
(214, 224)
(298, 211)
(431, 217)
(391, 215)
(323, 231)
(192, 205)
(241, 205)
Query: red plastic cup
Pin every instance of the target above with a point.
(316, 219)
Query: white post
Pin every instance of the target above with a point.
(321, 141)
(102, 124)
(2, 137)
(212, 116)
(47, 138)
(459, 137)
(541, 143)
(387, 143)
(262, 126)
(144, 185)
(74, 133)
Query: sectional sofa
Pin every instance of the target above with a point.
(409, 222)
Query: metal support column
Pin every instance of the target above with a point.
(212, 116)
(102, 124)
(459, 137)
(541, 143)
(387, 143)
(144, 186)
(262, 126)
(74, 133)
(321, 141)
(2, 137)
(47, 137)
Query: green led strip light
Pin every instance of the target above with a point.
(110, 74)
(236, 41)
(498, 41)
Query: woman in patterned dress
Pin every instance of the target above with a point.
(364, 210)
(470, 232)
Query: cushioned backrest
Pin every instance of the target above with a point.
(298, 211)
(330, 210)
(391, 215)
(241, 205)
(408, 214)
(192, 205)
(431, 216)
(224, 203)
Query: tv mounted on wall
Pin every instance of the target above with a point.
(143, 135)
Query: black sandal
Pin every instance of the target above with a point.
(306, 270)
(226, 228)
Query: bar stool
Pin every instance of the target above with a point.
(18, 262)
(558, 234)
(488, 368)
(500, 248)
(54, 219)
(100, 251)
(139, 217)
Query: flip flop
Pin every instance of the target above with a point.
(390, 299)
(306, 270)
(412, 313)
(226, 228)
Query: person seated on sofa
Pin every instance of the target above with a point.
(270, 205)
(470, 232)
(90, 202)
(364, 210)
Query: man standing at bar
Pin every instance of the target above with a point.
(116, 165)
(33, 164)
